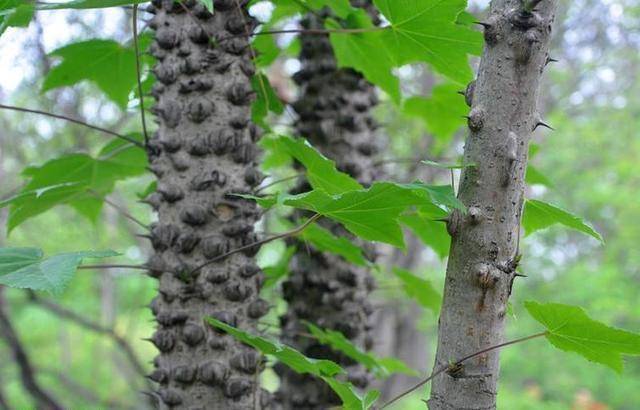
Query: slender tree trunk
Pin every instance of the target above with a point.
(335, 115)
(484, 249)
(203, 153)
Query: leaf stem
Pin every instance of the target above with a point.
(317, 31)
(118, 208)
(283, 235)
(444, 368)
(72, 120)
(278, 181)
(114, 266)
(137, 50)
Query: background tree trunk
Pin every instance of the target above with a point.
(484, 249)
(203, 153)
(335, 115)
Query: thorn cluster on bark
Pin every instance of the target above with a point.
(335, 114)
(204, 153)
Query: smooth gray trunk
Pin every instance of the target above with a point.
(483, 257)
(203, 153)
(334, 110)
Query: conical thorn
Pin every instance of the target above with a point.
(550, 60)
(543, 124)
(445, 219)
(483, 24)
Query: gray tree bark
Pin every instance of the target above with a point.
(335, 115)
(203, 153)
(484, 250)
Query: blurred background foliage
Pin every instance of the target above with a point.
(591, 97)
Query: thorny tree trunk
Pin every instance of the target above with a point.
(335, 115)
(203, 153)
(484, 248)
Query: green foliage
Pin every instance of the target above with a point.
(381, 367)
(78, 180)
(28, 268)
(419, 289)
(208, 4)
(325, 241)
(373, 213)
(427, 31)
(321, 171)
(535, 177)
(442, 113)
(355, 50)
(540, 215)
(570, 329)
(267, 100)
(88, 4)
(15, 13)
(108, 64)
(431, 233)
(324, 369)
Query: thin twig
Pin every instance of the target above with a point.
(312, 31)
(72, 120)
(444, 368)
(125, 213)
(140, 267)
(43, 399)
(283, 235)
(135, 45)
(278, 181)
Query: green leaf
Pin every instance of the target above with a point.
(355, 50)
(380, 367)
(70, 179)
(150, 189)
(341, 8)
(274, 273)
(27, 268)
(540, 215)
(111, 66)
(266, 48)
(442, 113)
(432, 233)
(419, 289)
(324, 369)
(321, 171)
(88, 4)
(535, 177)
(570, 329)
(208, 4)
(266, 101)
(427, 31)
(325, 241)
(442, 195)
(371, 214)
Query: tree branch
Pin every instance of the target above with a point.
(283, 235)
(456, 365)
(43, 399)
(87, 323)
(122, 211)
(135, 45)
(72, 120)
(114, 266)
